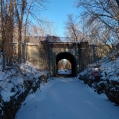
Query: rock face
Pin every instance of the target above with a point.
(9, 109)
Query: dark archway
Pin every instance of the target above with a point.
(68, 56)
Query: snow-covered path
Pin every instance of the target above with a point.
(67, 98)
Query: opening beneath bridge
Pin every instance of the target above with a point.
(65, 57)
(64, 67)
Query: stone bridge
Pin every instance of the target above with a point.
(47, 54)
(76, 53)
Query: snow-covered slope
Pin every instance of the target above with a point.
(108, 68)
(13, 78)
(103, 76)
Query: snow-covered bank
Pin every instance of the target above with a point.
(103, 76)
(15, 77)
(108, 67)
(15, 84)
(67, 98)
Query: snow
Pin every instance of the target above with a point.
(109, 68)
(31, 71)
(61, 98)
(11, 78)
(66, 71)
(67, 98)
(6, 95)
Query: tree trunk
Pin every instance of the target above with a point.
(19, 41)
(25, 48)
(3, 36)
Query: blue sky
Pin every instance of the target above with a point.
(57, 12)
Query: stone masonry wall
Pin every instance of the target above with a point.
(97, 52)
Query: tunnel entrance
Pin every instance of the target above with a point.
(64, 67)
(70, 59)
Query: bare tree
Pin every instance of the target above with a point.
(15, 16)
(72, 29)
(97, 33)
(7, 26)
(104, 10)
(20, 7)
(44, 28)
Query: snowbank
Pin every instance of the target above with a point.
(16, 83)
(108, 68)
(103, 76)
(14, 77)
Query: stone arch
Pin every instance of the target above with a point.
(68, 56)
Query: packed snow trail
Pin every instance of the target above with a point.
(67, 98)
